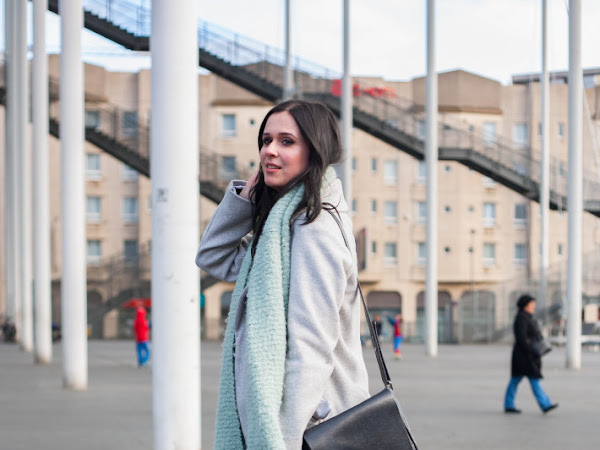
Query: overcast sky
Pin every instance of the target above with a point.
(494, 38)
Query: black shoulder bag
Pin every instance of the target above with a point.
(377, 423)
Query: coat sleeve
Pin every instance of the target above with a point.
(225, 240)
(320, 263)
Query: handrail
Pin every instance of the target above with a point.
(267, 62)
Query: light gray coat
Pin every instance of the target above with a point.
(324, 370)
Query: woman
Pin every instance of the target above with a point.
(292, 354)
(524, 362)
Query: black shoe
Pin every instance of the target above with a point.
(513, 410)
(550, 408)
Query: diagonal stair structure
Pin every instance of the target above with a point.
(131, 280)
(259, 69)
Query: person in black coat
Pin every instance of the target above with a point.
(524, 362)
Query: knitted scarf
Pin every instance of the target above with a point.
(267, 277)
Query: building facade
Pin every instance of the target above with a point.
(489, 236)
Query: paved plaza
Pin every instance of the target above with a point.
(453, 401)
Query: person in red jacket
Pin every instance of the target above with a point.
(141, 330)
(396, 322)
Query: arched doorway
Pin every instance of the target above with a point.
(384, 305)
(445, 326)
(476, 316)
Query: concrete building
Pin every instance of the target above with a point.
(489, 236)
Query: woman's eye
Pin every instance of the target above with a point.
(287, 142)
(267, 141)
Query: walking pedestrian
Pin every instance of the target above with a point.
(525, 363)
(292, 354)
(396, 322)
(141, 330)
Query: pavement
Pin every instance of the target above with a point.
(452, 401)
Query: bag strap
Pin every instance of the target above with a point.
(385, 376)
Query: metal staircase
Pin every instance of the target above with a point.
(258, 68)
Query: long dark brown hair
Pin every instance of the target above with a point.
(320, 130)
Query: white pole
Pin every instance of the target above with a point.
(431, 157)
(73, 286)
(288, 86)
(346, 108)
(12, 261)
(545, 170)
(24, 178)
(175, 226)
(41, 188)
(575, 188)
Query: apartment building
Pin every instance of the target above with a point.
(489, 236)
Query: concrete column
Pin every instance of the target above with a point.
(175, 226)
(431, 159)
(542, 299)
(12, 260)
(288, 74)
(73, 286)
(24, 178)
(346, 108)
(41, 188)
(575, 188)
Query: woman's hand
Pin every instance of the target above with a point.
(249, 185)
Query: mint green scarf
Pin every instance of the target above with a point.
(267, 278)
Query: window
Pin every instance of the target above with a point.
(421, 171)
(92, 119)
(373, 207)
(390, 256)
(129, 173)
(447, 250)
(130, 123)
(353, 164)
(520, 254)
(560, 249)
(390, 172)
(421, 212)
(561, 130)
(489, 214)
(94, 251)
(373, 164)
(390, 212)
(421, 130)
(130, 209)
(489, 133)
(489, 254)
(130, 249)
(520, 134)
(93, 209)
(228, 125)
(228, 164)
(447, 168)
(421, 253)
(488, 182)
(92, 166)
(374, 247)
(354, 206)
(520, 214)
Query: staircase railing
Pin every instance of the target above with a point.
(133, 16)
(267, 62)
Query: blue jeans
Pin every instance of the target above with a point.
(143, 353)
(511, 392)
